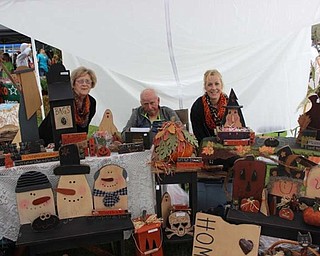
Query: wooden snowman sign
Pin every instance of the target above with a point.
(35, 201)
(74, 197)
(110, 188)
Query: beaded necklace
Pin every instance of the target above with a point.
(213, 116)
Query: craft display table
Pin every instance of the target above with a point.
(141, 194)
(188, 177)
(74, 233)
(274, 225)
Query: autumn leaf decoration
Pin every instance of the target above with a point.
(173, 141)
(208, 149)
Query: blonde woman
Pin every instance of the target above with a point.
(208, 110)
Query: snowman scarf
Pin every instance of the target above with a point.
(110, 198)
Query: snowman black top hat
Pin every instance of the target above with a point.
(70, 161)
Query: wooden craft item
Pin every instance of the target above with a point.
(110, 188)
(313, 182)
(92, 147)
(249, 179)
(250, 205)
(45, 222)
(286, 213)
(40, 155)
(34, 197)
(30, 102)
(313, 113)
(179, 224)
(30, 90)
(61, 99)
(233, 116)
(148, 236)
(264, 208)
(213, 236)
(189, 163)
(103, 151)
(107, 124)
(131, 147)
(8, 162)
(73, 138)
(284, 186)
(165, 208)
(74, 197)
(78, 138)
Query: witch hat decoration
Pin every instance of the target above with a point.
(233, 116)
(233, 100)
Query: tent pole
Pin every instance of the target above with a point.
(36, 69)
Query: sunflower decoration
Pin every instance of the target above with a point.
(173, 141)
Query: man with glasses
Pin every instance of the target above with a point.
(150, 114)
(82, 81)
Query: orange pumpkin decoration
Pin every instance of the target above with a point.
(172, 141)
(311, 215)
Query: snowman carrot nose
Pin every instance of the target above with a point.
(66, 191)
(41, 200)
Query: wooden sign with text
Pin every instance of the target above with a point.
(215, 237)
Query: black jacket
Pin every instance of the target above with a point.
(45, 128)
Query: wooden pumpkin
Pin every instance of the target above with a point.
(250, 205)
(286, 213)
(311, 215)
(172, 141)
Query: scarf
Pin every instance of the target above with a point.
(213, 116)
(81, 110)
(110, 198)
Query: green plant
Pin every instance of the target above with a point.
(44, 84)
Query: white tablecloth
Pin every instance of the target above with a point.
(141, 193)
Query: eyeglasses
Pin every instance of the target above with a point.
(84, 81)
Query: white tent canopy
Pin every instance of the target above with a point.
(262, 49)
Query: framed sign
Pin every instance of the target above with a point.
(63, 117)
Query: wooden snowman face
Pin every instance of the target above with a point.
(110, 188)
(32, 204)
(313, 183)
(74, 197)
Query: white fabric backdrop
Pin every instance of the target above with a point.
(262, 48)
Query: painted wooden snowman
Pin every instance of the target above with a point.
(74, 197)
(35, 201)
(110, 188)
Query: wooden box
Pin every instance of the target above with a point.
(233, 133)
(149, 240)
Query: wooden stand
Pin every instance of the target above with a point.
(73, 233)
(180, 177)
(274, 225)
